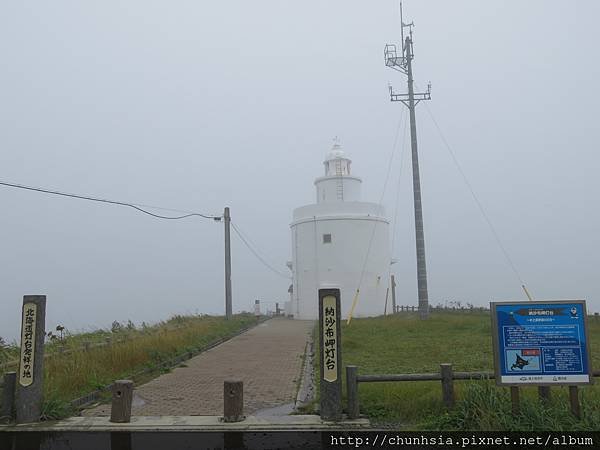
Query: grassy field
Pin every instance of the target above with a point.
(404, 344)
(75, 372)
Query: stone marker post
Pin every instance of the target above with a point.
(330, 352)
(30, 378)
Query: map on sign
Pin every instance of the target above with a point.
(541, 342)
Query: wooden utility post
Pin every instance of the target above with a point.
(30, 378)
(227, 221)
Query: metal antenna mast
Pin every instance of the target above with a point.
(410, 100)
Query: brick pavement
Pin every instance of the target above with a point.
(267, 358)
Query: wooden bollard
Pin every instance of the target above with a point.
(8, 396)
(233, 401)
(574, 401)
(352, 391)
(447, 385)
(515, 400)
(544, 394)
(30, 379)
(122, 396)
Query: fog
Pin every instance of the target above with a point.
(201, 105)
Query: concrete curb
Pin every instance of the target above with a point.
(188, 423)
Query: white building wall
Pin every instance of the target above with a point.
(339, 263)
(351, 226)
(329, 189)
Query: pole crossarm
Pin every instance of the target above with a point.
(405, 98)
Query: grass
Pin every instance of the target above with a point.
(404, 344)
(77, 372)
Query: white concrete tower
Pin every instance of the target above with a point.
(330, 243)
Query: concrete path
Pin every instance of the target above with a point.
(267, 358)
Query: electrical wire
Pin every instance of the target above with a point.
(477, 202)
(135, 206)
(396, 206)
(246, 242)
(387, 177)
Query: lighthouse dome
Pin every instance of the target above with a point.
(336, 152)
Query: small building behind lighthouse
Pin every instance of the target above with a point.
(340, 242)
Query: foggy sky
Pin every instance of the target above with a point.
(201, 105)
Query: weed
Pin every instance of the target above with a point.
(402, 343)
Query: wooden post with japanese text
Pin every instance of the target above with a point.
(330, 353)
(30, 377)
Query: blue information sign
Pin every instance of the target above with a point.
(541, 342)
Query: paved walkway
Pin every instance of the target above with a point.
(268, 358)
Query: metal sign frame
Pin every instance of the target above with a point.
(527, 381)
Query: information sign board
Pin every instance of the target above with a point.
(541, 342)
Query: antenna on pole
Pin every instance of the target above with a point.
(401, 28)
(404, 25)
(410, 100)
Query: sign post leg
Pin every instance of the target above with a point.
(515, 400)
(574, 401)
(544, 394)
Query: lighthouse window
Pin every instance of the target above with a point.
(327, 239)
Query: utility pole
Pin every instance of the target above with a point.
(410, 100)
(394, 295)
(227, 221)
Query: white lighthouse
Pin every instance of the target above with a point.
(340, 242)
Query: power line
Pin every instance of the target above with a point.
(135, 206)
(477, 202)
(255, 253)
(394, 223)
(368, 252)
